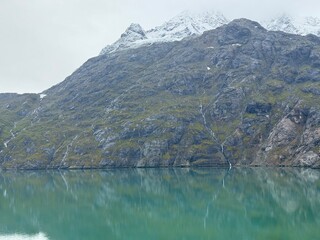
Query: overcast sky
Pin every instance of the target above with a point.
(44, 41)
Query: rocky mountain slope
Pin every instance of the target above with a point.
(236, 95)
(189, 24)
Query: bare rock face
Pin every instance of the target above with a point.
(309, 154)
(287, 130)
(294, 140)
(284, 133)
(307, 159)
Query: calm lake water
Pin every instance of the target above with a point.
(259, 203)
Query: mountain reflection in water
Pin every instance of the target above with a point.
(244, 203)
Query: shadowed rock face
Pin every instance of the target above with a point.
(236, 95)
(259, 108)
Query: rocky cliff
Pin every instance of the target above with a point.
(236, 95)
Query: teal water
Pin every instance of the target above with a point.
(208, 203)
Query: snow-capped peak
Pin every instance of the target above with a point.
(132, 35)
(188, 24)
(134, 32)
(312, 21)
(283, 23)
(294, 25)
(184, 25)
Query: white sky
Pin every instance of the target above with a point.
(44, 41)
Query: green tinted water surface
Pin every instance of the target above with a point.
(161, 204)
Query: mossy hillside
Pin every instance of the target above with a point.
(202, 101)
(13, 109)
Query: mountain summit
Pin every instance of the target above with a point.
(188, 24)
(184, 25)
(294, 25)
(130, 38)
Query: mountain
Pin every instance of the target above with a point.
(236, 95)
(294, 25)
(189, 24)
(184, 25)
(133, 37)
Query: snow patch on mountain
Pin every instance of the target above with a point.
(129, 39)
(184, 25)
(189, 24)
(294, 25)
